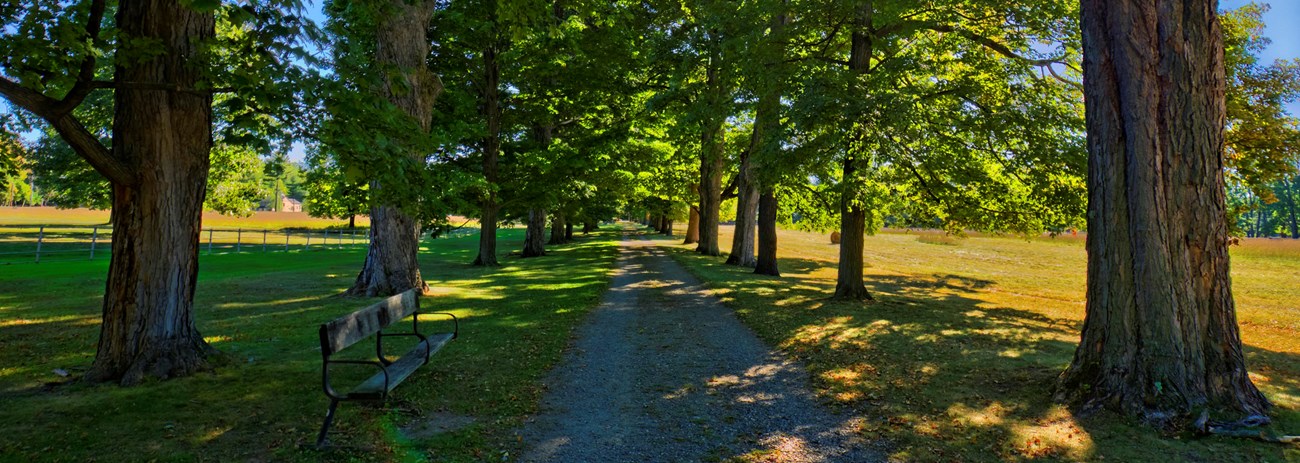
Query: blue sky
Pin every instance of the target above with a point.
(1282, 26)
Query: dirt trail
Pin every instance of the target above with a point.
(661, 372)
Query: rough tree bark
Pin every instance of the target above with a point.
(853, 223)
(533, 237)
(853, 219)
(392, 264)
(164, 137)
(487, 238)
(568, 230)
(557, 229)
(767, 209)
(693, 226)
(1160, 337)
(742, 244)
(711, 166)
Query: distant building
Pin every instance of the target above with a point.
(287, 204)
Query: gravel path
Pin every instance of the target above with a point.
(661, 372)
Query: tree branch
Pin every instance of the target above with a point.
(991, 44)
(1069, 82)
(86, 75)
(81, 140)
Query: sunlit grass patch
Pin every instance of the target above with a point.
(956, 359)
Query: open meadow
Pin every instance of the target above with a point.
(956, 357)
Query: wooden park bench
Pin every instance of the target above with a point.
(350, 329)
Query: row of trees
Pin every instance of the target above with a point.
(846, 113)
(242, 181)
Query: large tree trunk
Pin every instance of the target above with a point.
(853, 224)
(742, 244)
(1160, 337)
(666, 225)
(557, 229)
(693, 226)
(533, 237)
(392, 264)
(767, 210)
(487, 241)
(588, 227)
(711, 166)
(165, 137)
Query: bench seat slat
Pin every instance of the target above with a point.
(373, 388)
(349, 329)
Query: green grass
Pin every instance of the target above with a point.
(266, 404)
(956, 359)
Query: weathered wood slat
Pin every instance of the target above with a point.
(348, 330)
(373, 388)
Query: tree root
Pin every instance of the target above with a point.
(1248, 428)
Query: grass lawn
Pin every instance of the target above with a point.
(956, 358)
(265, 404)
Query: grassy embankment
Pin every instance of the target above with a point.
(265, 404)
(956, 358)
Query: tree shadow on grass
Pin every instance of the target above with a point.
(947, 372)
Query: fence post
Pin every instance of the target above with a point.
(308, 233)
(239, 238)
(263, 241)
(286, 240)
(39, 240)
(94, 236)
(354, 237)
(209, 241)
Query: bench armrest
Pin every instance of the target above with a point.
(455, 321)
(325, 375)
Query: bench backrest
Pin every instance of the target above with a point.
(349, 329)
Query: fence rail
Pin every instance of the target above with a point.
(47, 243)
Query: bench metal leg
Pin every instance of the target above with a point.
(329, 418)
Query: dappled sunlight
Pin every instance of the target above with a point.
(652, 284)
(77, 319)
(213, 433)
(252, 305)
(1057, 433)
(991, 415)
(217, 339)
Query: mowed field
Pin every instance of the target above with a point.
(956, 358)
